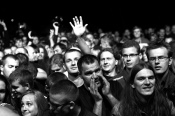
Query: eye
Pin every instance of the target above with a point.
(140, 78)
(151, 77)
(29, 104)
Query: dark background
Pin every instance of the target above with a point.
(108, 15)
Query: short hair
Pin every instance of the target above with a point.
(155, 45)
(40, 100)
(69, 51)
(30, 67)
(67, 88)
(57, 59)
(87, 59)
(23, 58)
(131, 43)
(8, 56)
(62, 46)
(54, 78)
(23, 76)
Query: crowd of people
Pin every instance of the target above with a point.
(84, 73)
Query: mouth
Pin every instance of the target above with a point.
(73, 68)
(157, 67)
(148, 88)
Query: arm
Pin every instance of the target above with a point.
(79, 30)
(51, 38)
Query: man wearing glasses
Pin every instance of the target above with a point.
(131, 56)
(160, 58)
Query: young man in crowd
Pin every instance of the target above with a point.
(9, 64)
(160, 58)
(131, 56)
(71, 58)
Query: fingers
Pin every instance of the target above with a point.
(71, 24)
(77, 21)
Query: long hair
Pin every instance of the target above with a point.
(130, 103)
(40, 100)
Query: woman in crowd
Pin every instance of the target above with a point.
(33, 103)
(142, 97)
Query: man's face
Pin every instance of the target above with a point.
(71, 59)
(137, 33)
(32, 54)
(130, 57)
(29, 106)
(41, 54)
(19, 43)
(90, 72)
(107, 61)
(9, 66)
(57, 50)
(18, 89)
(161, 61)
(144, 82)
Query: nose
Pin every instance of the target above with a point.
(105, 61)
(94, 75)
(73, 62)
(156, 60)
(147, 81)
(24, 108)
(128, 58)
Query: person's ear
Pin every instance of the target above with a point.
(72, 104)
(132, 85)
(64, 66)
(1, 68)
(116, 62)
(140, 56)
(170, 61)
(27, 86)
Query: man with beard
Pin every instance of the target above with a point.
(20, 81)
(95, 95)
(71, 58)
(160, 57)
(62, 99)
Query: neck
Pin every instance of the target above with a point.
(72, 76)
(110, 74)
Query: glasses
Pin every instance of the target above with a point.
(130, 55)
(160, 58)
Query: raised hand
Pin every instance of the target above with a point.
(78, 27)
(56, 25)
